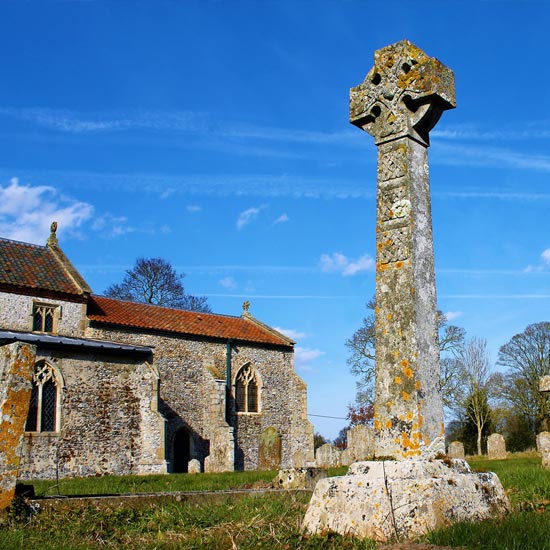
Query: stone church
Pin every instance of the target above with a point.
(129, 388)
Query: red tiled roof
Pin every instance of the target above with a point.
(147, 316)
(30, 266)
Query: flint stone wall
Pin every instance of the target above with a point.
(190, 370)
(110, 423)
(496, 447)
(16, 314)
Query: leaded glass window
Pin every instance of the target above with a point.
(43, 319)
(43, 407)
(246, 390)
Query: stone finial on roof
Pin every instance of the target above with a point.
(52, 239)
(246, 306)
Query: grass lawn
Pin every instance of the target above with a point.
(271, 521)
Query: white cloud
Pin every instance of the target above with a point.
(193, 208)
(303, 356)
(292, 333)
(248, 216)
(26, 212)
(337, 262)
(282, 219)
(546, 256)
(451, 315)
(229, 283)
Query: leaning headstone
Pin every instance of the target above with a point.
(346, 457)
(269, 450)
(360, 442)
(16, 371)
(399, 102)
(327, 456)
(299, 478)
(194, 466)
(456, 450)
(543, 447)
(496, 447)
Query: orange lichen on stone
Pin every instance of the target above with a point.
(417, 385)
(377, 425)
(405, 395)
(399, 265)
(405, 363)
(388, 424)
(408, 372)
(397, 379)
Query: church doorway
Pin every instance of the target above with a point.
(181, 451)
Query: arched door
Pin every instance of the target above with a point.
(181, 451)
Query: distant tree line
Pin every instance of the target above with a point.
(479, 400)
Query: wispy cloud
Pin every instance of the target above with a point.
(291, 333)
(338, 262)
(248, 216)
(546, 256)
(304, 356)
(26, 212)
(283, 218)
(229, 283)
(452, 315)
(193, 208)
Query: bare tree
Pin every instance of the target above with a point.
(472, 398)
(362, 360)
(155, 281)
(527, 357)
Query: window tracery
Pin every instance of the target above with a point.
(247, 390)
(43, 413)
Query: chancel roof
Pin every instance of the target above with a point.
(150, 317)
(25, 267)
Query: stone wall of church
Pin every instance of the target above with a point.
(188, 371)
(16, 314)
(109, 422)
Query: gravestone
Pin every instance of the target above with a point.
(16, 371)
(543, 447)
(327, 456)
(399, 102)
(194, 466)
(456, 450)
(360, 443)
(496, 447)
(269, 450)
(222, 451)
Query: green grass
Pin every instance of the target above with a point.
(108, 485)
(268, 521)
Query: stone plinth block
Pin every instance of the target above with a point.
(388, 500)
(543, 447)
(544, 384)
(496, 447)
(16, 370)
(456, 450)
(299, 478)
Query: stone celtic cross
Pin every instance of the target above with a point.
(399, 102)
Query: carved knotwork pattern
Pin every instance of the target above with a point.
(393, 203)
(392, 165)
(393, 245)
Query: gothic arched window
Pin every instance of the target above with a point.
(246, 390)
(44, 405)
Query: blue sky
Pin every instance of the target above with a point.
(215, 134)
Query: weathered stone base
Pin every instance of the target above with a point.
(389, 500)
(299, 478)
